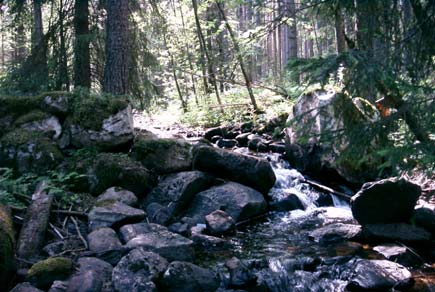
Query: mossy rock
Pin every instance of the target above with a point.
(163, 155)
(7, 246)
(26, 151)
(90, 112)
(44, 273)
(120, 170)
(19, 105)
(36, 115)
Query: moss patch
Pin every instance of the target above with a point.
(36, 115)
(18, 105)
(90, 112)
(7, 246)
(44, 273)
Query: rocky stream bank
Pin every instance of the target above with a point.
(221, 212)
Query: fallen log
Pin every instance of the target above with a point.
(323, 188)
(35, 224)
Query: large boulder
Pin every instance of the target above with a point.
(239, 201)
(386, 201)
(110, 169)
(138, 270)
(248, 170)
(39, 121)
(312, 146)
(105, 124)
(26, 151)
(163, 155)
(187, 277)
(174, 193)
(93, 275)
(7, 246)
(158, 239)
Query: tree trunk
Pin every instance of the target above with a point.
(39, 48)
(207, 55)
(116, 71)
(339, 31)
(63, 76)
(82, 58)
(293, 33)
(239, 56)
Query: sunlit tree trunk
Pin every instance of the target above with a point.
(116, 71)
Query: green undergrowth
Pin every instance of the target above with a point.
(236, 108)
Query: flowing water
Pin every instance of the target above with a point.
(278, 246)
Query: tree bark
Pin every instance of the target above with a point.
(63, 76)
(82, 57)
(339, 31)
(116, 71)
(32, 233)
(293, 33)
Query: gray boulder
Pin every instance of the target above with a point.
(48, 125)
(115, 131)
(386, 201)
(93, 275)
(103, 239)
(158, 239)
(187, 277)
(113, 214)
(248, 170)
(56, 103)
(289, 203)
(239, 201)
(138, 270)
(120, 195)
(163, 155)
(378, 275)
(219, 222)
(174, 194)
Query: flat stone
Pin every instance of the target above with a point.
(112, 214)
(336, 232)
(160, 240)
(399, 254)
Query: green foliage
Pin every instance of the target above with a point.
(14, 190)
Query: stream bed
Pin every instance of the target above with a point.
(277, 251)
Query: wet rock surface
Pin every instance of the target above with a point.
(239, 201)
(251, 171)
(386, 201)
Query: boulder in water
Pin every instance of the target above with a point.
(336, 232)
(248, 170)
(219, 222)
(239, 201)
(386, 201)
(399, 254)
(378, 275)
(396, 232)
